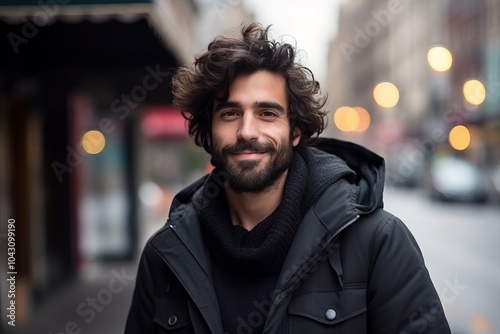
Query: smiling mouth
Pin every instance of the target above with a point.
(248, 154)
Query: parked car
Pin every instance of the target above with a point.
(456, 179)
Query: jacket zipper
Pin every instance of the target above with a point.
(299, 274)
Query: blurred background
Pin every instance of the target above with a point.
(92, 151)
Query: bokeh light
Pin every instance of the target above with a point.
(459, 137)
(439, 59)
(346, 119)
(351, 119)
(386, 94)
(474, 92)
(364, 119)
(93, 141)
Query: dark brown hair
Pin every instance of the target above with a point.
(196, 87)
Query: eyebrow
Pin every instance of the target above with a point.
(227, 104)
(269, 105)
(257, 105)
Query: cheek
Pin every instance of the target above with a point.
(219, 139)
(224, 131)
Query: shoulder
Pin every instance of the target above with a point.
(374, 225)
(379, 234)
(387, 229)
(359, 241)
(381, 229)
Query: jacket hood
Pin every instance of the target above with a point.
(369, 169)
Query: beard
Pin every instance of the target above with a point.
(253, 175)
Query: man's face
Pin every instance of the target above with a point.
(251, 132)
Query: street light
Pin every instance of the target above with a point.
(459, 137)
(93, 141)
(351, 119)
(346, 119)
(439, 58)
(364, 119)
(474, 92)
(386, 94)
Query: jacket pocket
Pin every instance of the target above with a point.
(323, 311)
(172, 315)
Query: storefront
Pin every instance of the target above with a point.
(75, 76)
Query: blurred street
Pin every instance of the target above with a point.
(94, 303)
(460, 243)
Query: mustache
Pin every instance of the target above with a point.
(247, 146)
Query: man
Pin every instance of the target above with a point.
(287, 234)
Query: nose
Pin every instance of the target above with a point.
(248, 127)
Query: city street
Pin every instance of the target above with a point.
(461, 247)
(101, 126)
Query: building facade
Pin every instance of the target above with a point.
(389, 41)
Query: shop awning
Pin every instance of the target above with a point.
(171, 20)
(163, 122)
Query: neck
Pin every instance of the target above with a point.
(247, 209)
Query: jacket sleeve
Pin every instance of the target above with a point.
(401, 297)
(141, 313)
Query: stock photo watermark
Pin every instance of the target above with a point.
(363, 36)
(11, 272)
(121, 107)
(408, 165)
(420, 319)
(221, 7)
(89, 309)
(30, 28)
(423, 148)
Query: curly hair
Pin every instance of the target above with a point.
(195, 88)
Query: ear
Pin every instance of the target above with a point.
(297, 134)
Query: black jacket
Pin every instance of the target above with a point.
(352, 267)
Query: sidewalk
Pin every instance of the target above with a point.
(96, 302)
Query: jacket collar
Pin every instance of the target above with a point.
(332, 213)
(325, 220)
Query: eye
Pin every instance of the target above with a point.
(228, 114)
(268, 113)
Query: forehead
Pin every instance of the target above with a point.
(259, 86)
